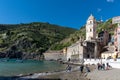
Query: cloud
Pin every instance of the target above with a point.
(110, 1)
(99, 9)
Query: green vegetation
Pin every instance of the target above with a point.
(31, 38)
(108, 26)
(35, 38)
(82, 32)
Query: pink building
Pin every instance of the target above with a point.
(117, 38)
(116, 20)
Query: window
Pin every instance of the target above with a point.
(90, 30)
(90, 22)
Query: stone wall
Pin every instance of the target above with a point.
(75, 52)
(92, 49)
(53, 55)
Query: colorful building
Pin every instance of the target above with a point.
(116, 20)
(117, 38)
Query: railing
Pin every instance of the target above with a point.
(114, 64)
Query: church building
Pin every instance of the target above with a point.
(92, 46)
(91, 28)
(89, 48)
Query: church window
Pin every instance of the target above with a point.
(90, 30)
(90, 22)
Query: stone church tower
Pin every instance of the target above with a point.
(91, 28)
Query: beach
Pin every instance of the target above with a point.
(75, 74)
(112, 74)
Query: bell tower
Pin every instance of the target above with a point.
(91, 28)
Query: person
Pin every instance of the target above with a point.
(98, 66)
(103, 66)
(68, 68)
(108, 66)
(87, 68)
(115, 55)
(69, 60)
(81, 68)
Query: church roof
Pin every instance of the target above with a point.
(91, 17)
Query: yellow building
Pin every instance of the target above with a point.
(107, 55)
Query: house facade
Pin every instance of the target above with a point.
(92, 49)
(117, 38)
(103, 37)
(75, 52)
(116, 20)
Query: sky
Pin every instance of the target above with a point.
(68, 13)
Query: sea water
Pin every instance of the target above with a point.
(12, 67)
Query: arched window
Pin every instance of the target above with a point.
(90, 30)
(90, 22)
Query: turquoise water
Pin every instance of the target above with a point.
(12, 68)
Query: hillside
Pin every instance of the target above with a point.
(30, 40)
(69, 40)
(107, 25)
